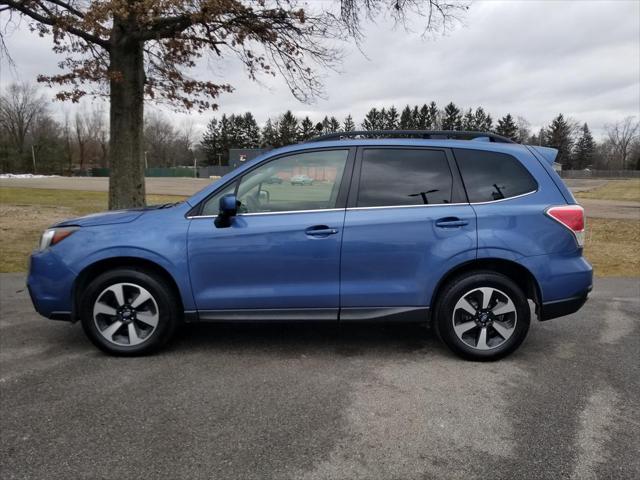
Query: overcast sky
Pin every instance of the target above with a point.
(527, 57)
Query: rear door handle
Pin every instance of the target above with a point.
(451, 222)
(320, 231)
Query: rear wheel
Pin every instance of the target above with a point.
(128, 312)
(482, 316)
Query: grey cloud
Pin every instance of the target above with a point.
(529, 58)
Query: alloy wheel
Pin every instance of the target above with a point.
(126, 314)
(484, 318)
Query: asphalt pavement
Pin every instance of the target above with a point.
(303, 401)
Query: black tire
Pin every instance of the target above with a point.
(164, 307)
(465, 286)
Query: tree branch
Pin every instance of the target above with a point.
(70, 8)
(52, 21)
(166, 27)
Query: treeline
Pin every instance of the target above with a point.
(29, 131)
(33, 141)
(575, 142)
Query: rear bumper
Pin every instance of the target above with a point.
(50, 286)
(564, 280)
(560, 308)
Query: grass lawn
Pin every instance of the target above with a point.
(26, 212)
(612, 246)
(628, 190)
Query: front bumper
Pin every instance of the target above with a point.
(50, 285)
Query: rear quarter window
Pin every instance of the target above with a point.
(490, 176)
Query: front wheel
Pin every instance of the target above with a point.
(482, 316)
(128, 312)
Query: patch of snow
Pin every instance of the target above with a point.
(25, 175)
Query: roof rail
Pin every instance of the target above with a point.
(428, 134)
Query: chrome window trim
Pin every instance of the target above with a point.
(285, 212)
(408, 206)
(508, 198)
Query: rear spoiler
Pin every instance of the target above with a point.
(547, 153)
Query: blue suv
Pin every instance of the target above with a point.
(459, 229)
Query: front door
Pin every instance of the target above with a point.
(280, 257)
(407, 223)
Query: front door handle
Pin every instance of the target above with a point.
(451, 222)
(320, 231)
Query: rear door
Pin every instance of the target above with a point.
(407, 223)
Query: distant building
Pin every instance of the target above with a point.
(237, 156)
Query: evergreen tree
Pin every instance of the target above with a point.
(307, 129)
(211, 143)
(452, 119)
(250, 131)
(433, 120)
(416, 118)
(559, 135)
(391, 119)
(372, 120)
(507, 127)
(406, 119)
(482, 121)
(423, 117)
(226, 137)
(348, 125)
(469, 121)
(585, 149)
(237, 134)
(269, 135)
(289, 129)
(334, 125)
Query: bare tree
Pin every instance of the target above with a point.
(101, 134)
(45, 140)
(20, 105)
(139, 48)
(81, 136)
(622, 136)
(67, 136)
(524, 129)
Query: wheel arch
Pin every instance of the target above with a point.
(509, 268)
(92, 270)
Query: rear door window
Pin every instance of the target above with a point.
(398, 177)
(490, 176)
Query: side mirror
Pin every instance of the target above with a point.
(264, 196)
(228, 209)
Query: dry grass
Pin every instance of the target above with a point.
(612, 246)
(26, 212)
(628, 190)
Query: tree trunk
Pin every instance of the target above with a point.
(126, 185)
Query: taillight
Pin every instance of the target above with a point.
(572, 217)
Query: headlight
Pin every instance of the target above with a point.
(53, 236)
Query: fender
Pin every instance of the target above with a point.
(178, 271)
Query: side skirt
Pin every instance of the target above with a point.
(351, 314)
(385, 314)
